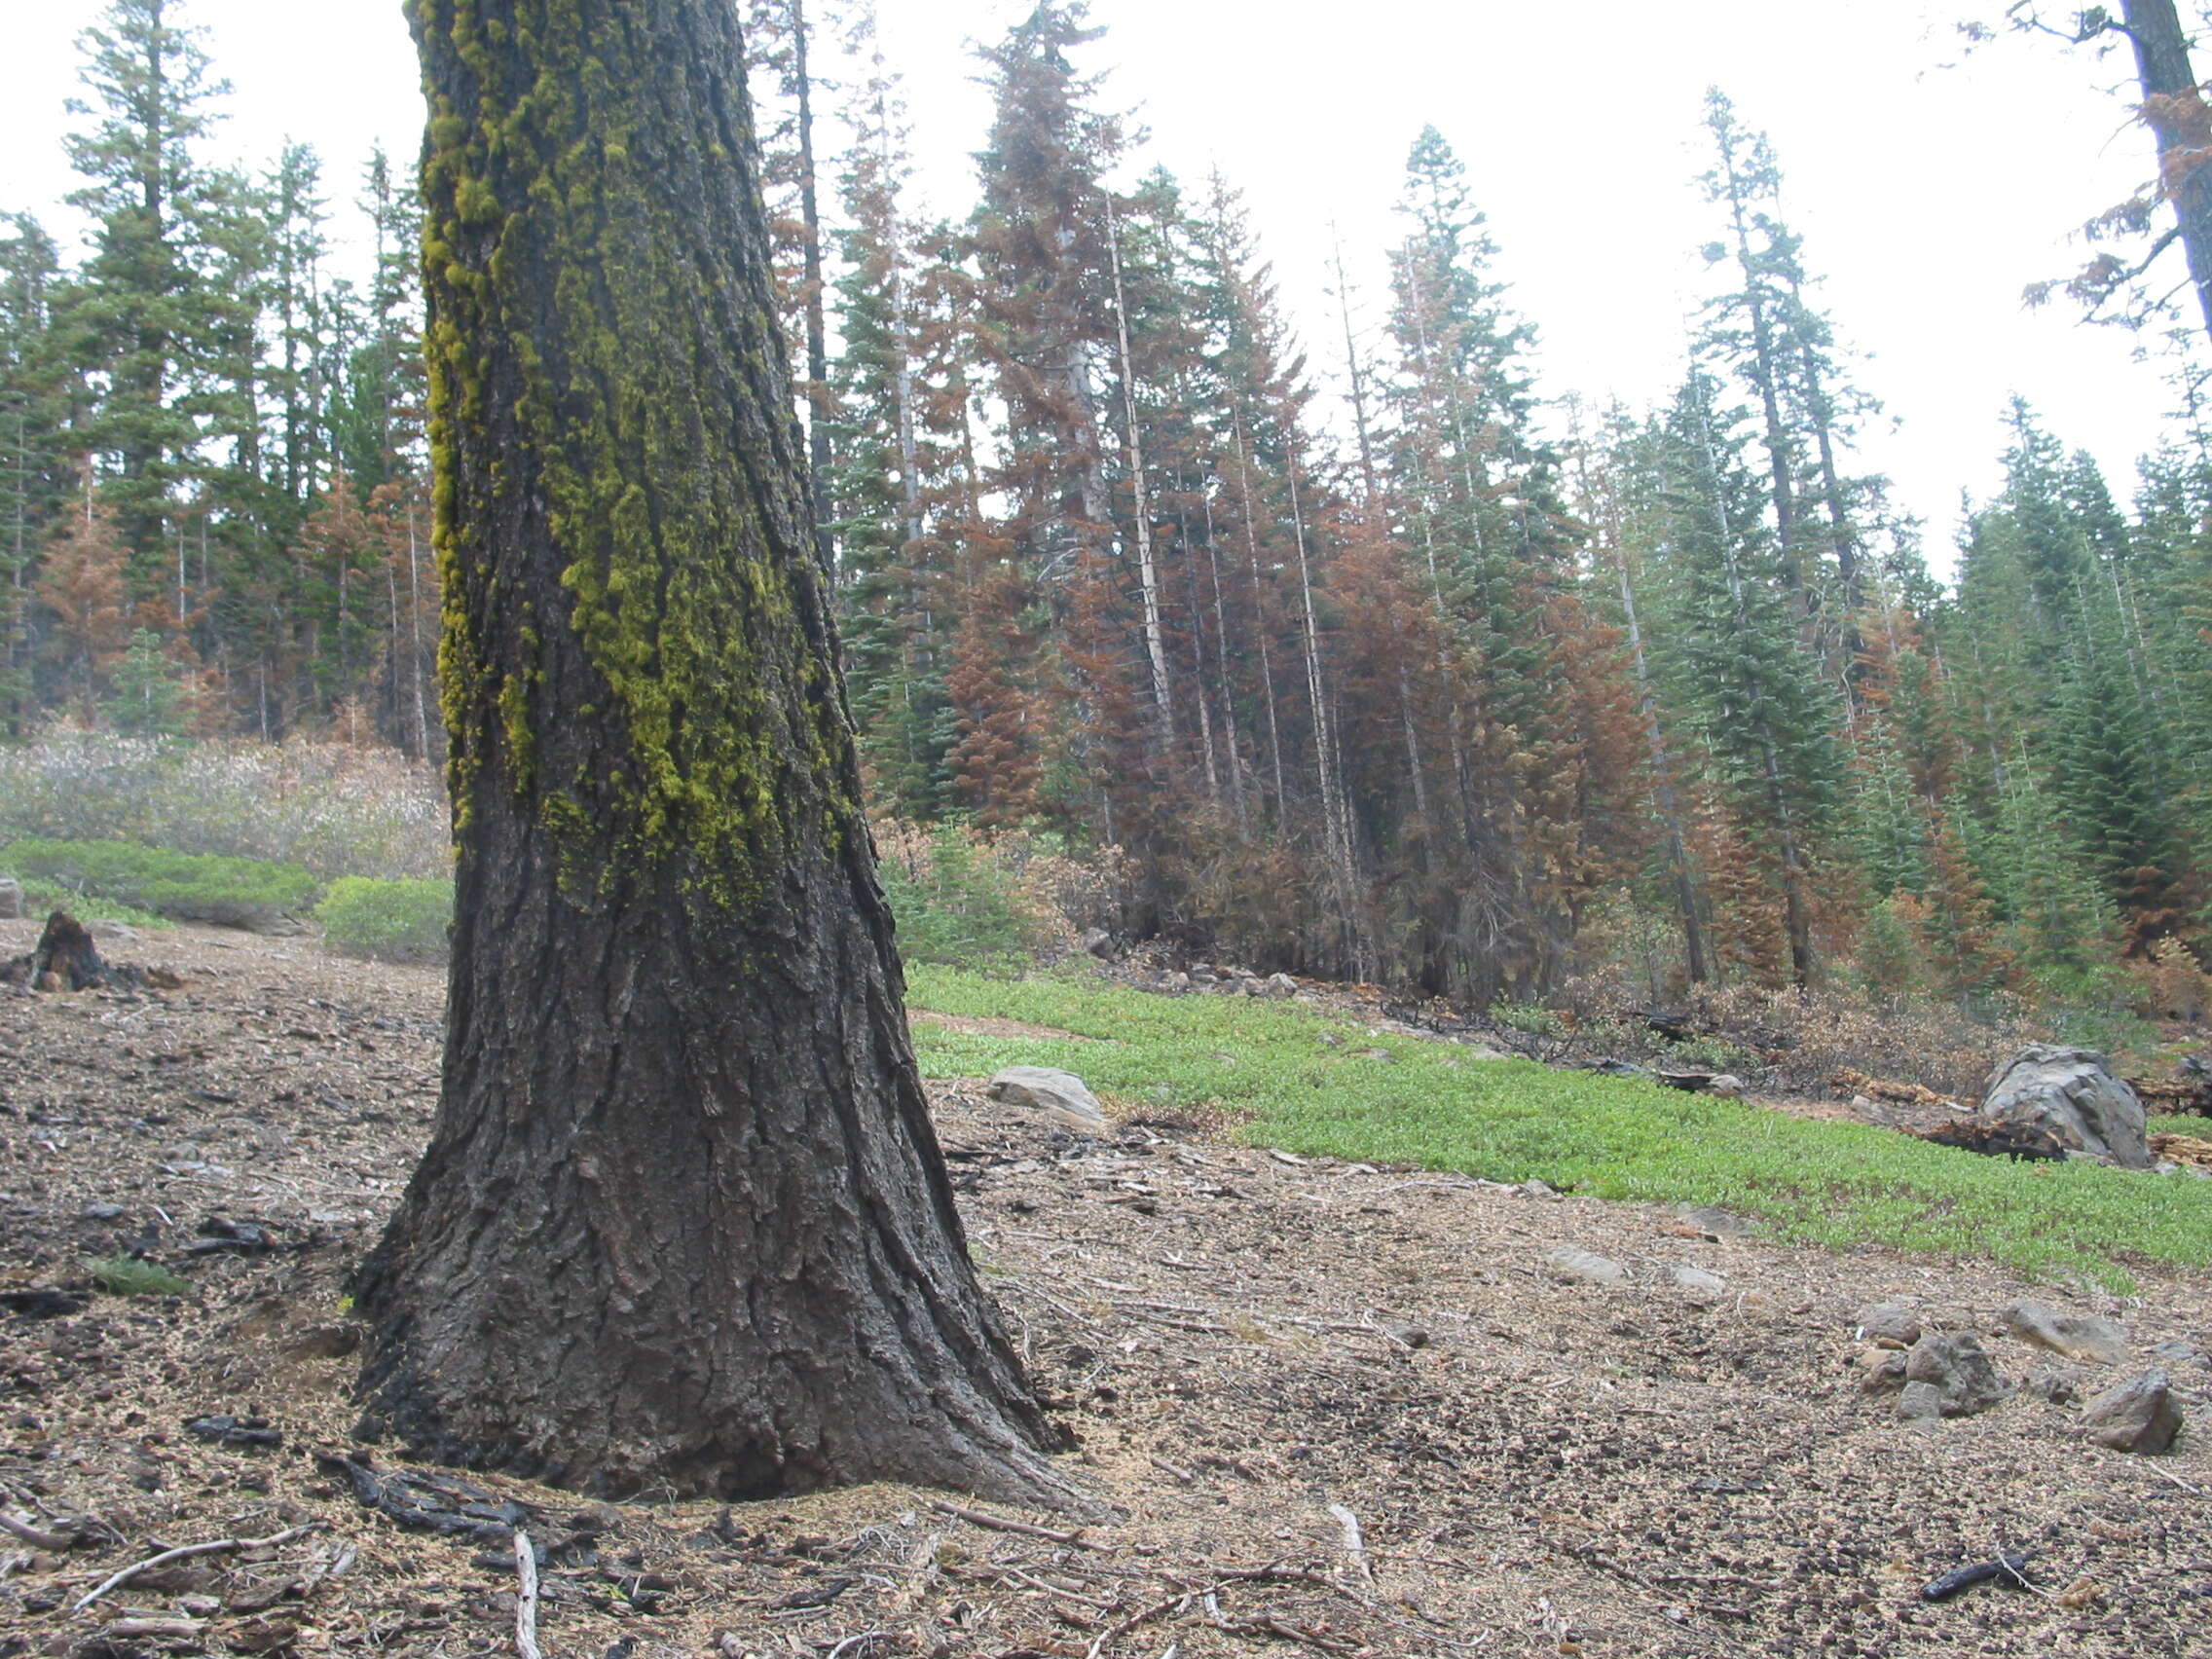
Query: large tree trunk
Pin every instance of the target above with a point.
(2174, 110)
(683, 1219)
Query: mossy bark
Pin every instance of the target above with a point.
(683, 1222)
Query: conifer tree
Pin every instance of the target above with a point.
(142, 309)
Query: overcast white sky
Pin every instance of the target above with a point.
(1928, 191)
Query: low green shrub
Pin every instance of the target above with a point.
(42, 897)
(1534, 1018)
(129, 1276)
(398, 921)
(184, 885)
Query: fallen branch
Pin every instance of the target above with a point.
(154, 1629)
(186, 1552)
(1001, 1524)
(525, 1597)
(33, 1536)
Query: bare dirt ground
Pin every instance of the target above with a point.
(1255, 1353)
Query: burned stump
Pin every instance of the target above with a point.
(65, 959)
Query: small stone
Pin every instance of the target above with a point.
(1061, 1095)
(1716, 1223)
(1702, 1285)
(2077, 1336)
(92, 1210)
(2141, 1415)
(1892, 1324)
(1881, 1371)
(10, 899)
(1958, 1369)
(1097, 942)
(1727, 1085)
(1177, 982)
(1538, 1188)
(116, 933)
(1575, 1265)
(2055, 1386)
(2178, 1355)
(1281, 985)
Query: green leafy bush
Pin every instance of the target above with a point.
(953, 902)
(187, 886)
(398, 921)
(1532, 1018)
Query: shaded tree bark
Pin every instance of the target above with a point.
(683, 1219)
(2174, 109)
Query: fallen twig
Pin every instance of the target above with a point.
(525, 1597)
(1355, 1546)
(1002, 1523)
(186, 1552)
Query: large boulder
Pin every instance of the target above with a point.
(1060, 1095)
(2071, 1097)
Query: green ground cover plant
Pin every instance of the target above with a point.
(40, 897)
(186, 885)
(129, 1276)
(1431, 1105)
(397, 921)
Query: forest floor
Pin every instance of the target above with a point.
(1255, 1352)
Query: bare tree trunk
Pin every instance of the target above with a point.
(1154, 639)
(682, 1221)
(1260, 624)
(820, 454)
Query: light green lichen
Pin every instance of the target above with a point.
(682, 601)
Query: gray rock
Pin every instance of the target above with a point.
(2077, 1336)
(2179, 1355)
(1957, 1369)
(1701, 1283)
(2069, 1095)
(1098, 942)
(1538, 1188)
(1892, 1324)
(1922, 1402)
(2141, 1415)
(1727, 1085)
(1281, 985)
(1177, 982)
(1060, 1095)
(115, 932)
(10, 899)
(1577, 1266)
